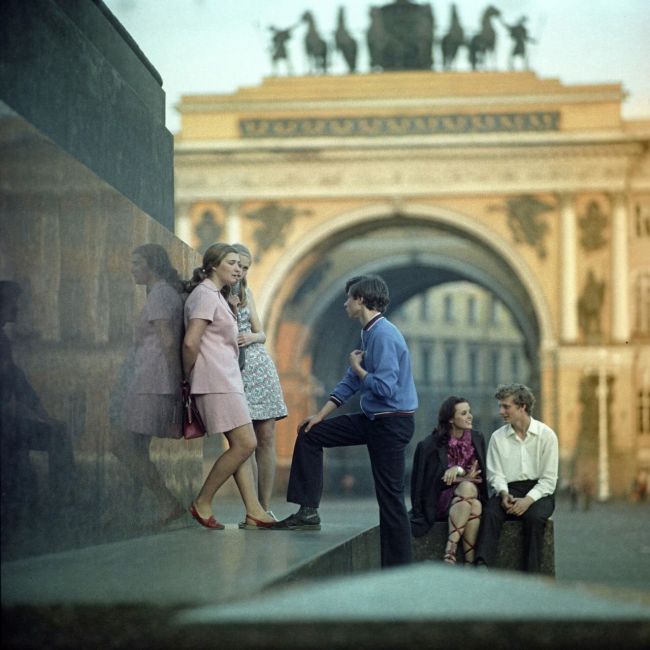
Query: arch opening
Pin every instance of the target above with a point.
(415, 255)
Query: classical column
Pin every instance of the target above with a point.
(619, 292)
(569, 265)
(183, 224)
(233, 222)
(603, 433)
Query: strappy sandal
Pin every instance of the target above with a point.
(450, 552)
(257, 524)
(468, 547)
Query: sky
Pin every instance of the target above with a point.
(217, 46)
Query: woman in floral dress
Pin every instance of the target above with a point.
(261, 383)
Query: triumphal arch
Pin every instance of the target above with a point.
(535, 190)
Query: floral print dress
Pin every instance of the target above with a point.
(261, 381)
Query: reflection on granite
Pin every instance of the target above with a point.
(77, 474)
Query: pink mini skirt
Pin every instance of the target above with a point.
(223, 412)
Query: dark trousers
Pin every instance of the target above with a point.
(534, 523)
(386, 439)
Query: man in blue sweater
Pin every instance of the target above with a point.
(381, 373)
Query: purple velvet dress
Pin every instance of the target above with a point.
(460, 451)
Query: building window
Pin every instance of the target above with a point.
(426, 364)
(642, 213)
(424, 307)
(642, 301)
(449, 308)
(472, 362)
(643, 424)
(494, 311)
(495, 366)
(450, 366)
(514, 365)
(399, 313)
(472, 310)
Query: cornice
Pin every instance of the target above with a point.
(402, 176)
(268, 106)
(609, 138)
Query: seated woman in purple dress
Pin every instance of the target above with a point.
(446, 480)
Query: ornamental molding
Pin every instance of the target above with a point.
(288, 177)
(400, 125)
(187, 105)
(630, 144)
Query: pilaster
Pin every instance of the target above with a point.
(569, 265)
(620, 308)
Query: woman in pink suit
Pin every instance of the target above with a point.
(210, 364)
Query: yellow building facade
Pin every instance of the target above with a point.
(538, 192)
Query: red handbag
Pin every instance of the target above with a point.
(193, 426)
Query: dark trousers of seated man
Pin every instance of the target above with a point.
(386, 439)
(533, 521)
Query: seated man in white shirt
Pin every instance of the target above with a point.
(522, 469)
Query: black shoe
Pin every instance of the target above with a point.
(298, 521)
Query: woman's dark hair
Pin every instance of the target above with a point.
(372, 289)
(211, 258)
(158, 262)
(445, 413)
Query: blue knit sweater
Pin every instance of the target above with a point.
(388, 387)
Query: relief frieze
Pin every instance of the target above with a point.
(590, 305)
(526, 223)
(274, 222)
(401, 125)
(592, 227)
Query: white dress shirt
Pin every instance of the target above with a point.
(509, 458)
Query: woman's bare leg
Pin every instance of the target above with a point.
(470, 534)
(241, 443)
(246, 483)
(459, 513)
(265, 457)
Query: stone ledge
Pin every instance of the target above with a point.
(510, 552)
(358, 554)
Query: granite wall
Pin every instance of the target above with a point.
(89, 332)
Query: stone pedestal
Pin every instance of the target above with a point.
(510, 554)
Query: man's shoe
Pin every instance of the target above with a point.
(298, 521)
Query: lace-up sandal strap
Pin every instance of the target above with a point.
(450, 552)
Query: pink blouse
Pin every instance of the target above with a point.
(217, 367)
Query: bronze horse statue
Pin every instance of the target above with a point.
(484, 43)
(344, 42)
(452, 40)
(315, 46)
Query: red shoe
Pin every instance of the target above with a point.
(210, 522)
(257, 523)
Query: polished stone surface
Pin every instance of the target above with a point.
(74, 358)
(85, 85)
(186, 564)
(189, 588)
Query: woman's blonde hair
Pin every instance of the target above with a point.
(243, 292)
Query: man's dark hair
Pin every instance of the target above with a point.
(372, 289)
